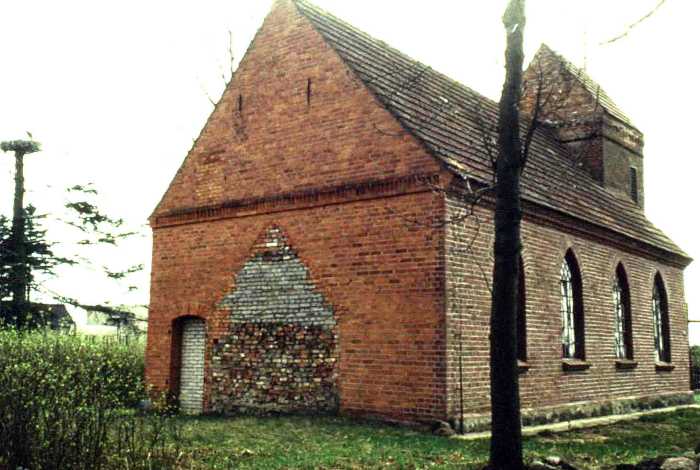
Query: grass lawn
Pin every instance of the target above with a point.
(339, 443)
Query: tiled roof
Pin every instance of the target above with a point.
(592, 86)
(457, 125)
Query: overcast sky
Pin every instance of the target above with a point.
(117, 91)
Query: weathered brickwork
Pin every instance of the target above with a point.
(545, 383)
(380, 273)
(281, 351)
(339, 175)
(192, 366)
(293, 118)
(305, 230)
(275, 367)
(600, 138)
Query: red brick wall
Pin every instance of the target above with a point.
(279, 142)
(545, 383)
(337, 174)
(381, 274)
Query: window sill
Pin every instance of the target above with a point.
(575, 364)
(523, 366)
(664, 367)
(626, 364)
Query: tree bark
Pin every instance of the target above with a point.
(506, 440)
(19, 276)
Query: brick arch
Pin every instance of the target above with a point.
(613, 263)
(658, 270)
(566, 247)
(620, 270)
(188, 352)
(174, 310)
(566, 243)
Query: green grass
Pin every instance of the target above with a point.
(338, 443)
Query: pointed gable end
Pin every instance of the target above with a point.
(318, 105)
(293, 118)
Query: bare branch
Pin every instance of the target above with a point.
(231, 57)
(208, 96)
(231, 69)
(629, 28)
(487, 138)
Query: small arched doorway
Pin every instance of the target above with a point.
(190, 336)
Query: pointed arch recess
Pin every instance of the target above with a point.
(660, 319)
(572, 313)
(622, 315)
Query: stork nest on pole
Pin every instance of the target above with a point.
(20, 146)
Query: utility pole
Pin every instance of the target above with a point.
(19, 277)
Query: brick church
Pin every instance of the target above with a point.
(319, 249)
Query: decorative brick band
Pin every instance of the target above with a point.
(571, 224)
(362, 190)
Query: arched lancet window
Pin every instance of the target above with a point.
(522, 322)
(571, 309)
(623, 315)
(662, 333)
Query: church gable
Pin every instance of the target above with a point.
(293, 118)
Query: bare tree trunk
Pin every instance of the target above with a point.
(506, 440)
(19, 276)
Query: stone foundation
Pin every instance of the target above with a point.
(582, 410)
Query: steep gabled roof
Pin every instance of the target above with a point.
(596, 91)
(456, 124)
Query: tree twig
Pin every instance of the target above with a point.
(630, 27)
